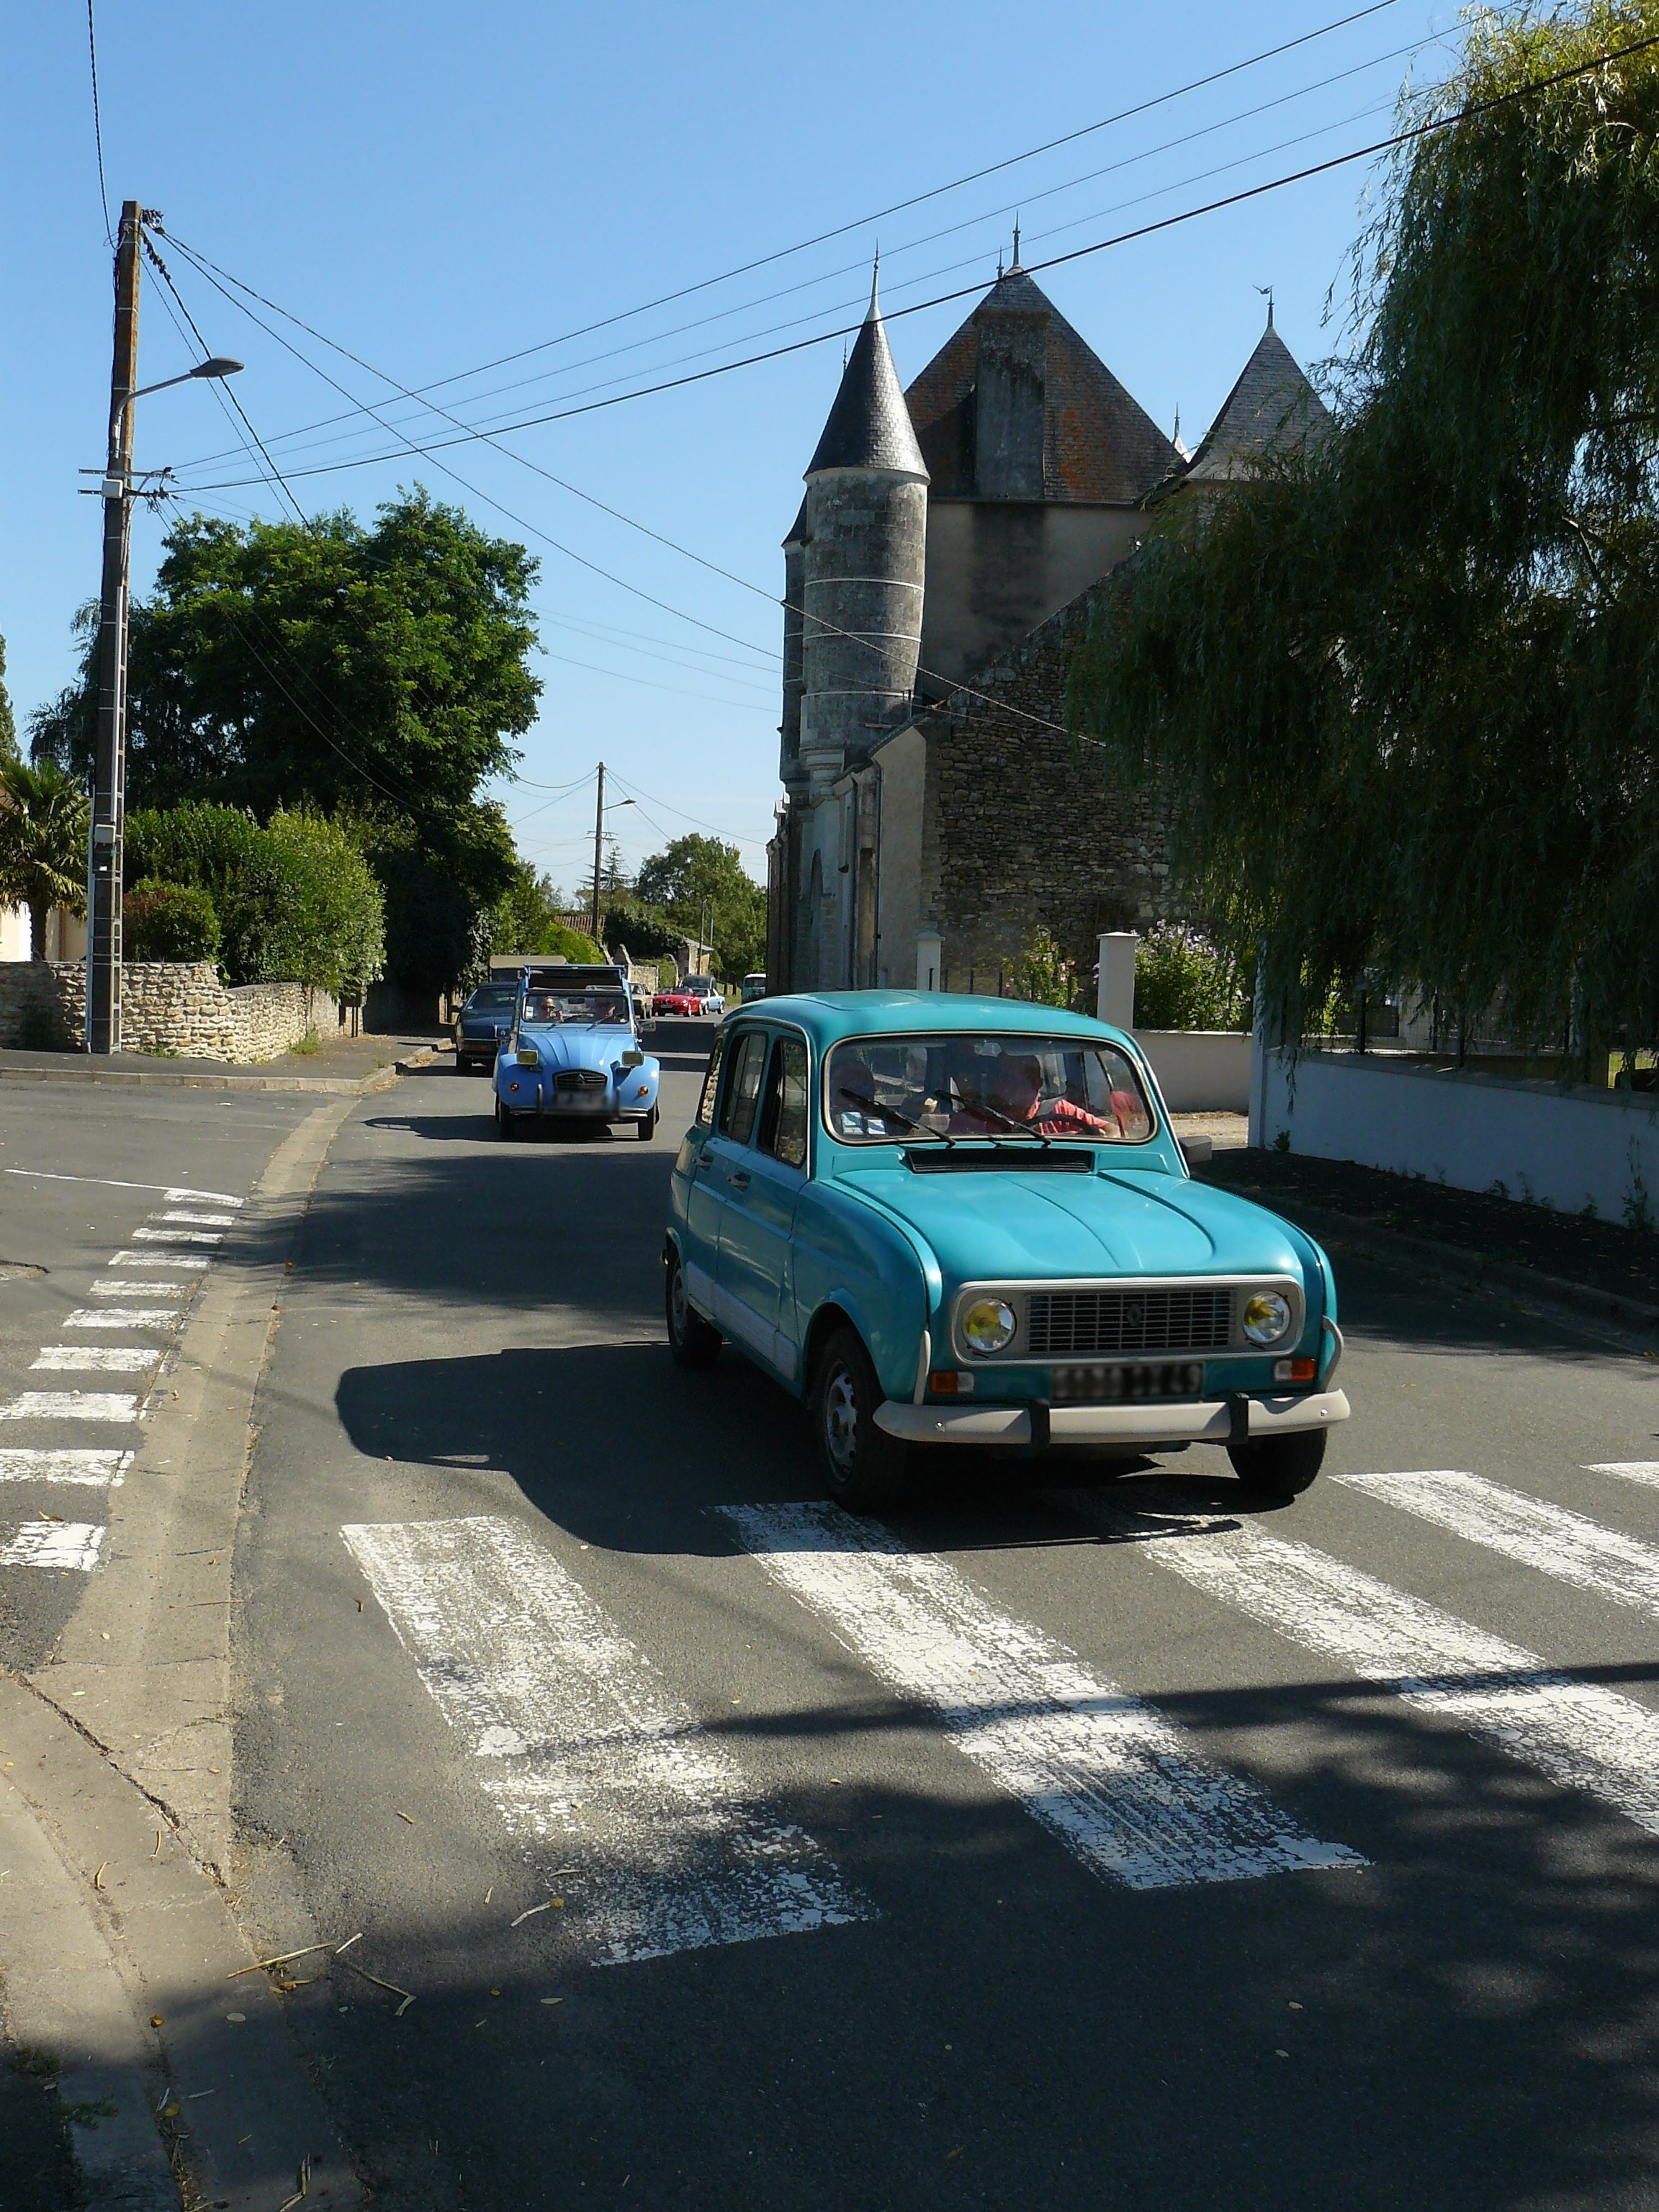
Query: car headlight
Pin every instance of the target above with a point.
(1266, 1316)
(528, 1056)
(988, 1325)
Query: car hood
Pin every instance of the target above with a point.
(579, 1047)
(1006, 1225)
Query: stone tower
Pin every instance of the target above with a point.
(859, 552)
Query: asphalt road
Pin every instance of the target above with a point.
(84, 1175)
(1401, 1953)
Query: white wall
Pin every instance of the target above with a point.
(1566, 1148)
(66, 937)
(1199, 1071)
(14, 932)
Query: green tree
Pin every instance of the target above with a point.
(1182, 982)
(700, 885)
(1401, 694)
(168, 922)
(43, 843)
(7, 720)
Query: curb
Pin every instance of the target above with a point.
(78, 1069)
(1453, 1263)
(121, 1745)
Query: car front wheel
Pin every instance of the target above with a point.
(864, 1468)
(694, 1342)
(1280, 1467)
(647, 1128)
(503, 1120)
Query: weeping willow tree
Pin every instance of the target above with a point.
(1399, 690)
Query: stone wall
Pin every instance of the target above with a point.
(172, 1007)
(1023, 827)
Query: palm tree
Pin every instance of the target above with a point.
(43, 843)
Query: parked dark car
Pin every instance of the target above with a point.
(481, 1024)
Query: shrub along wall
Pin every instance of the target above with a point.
(167, 1006)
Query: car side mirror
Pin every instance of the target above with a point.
(1196, 1151)
(633, 1060)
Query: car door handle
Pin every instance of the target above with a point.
(738, 1178)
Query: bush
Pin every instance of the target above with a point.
(168, 922)
(296, 903)
(1043, 975)
(1182, 982)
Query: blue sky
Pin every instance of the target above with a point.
(433, 188)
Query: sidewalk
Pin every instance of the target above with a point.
(1530, 1249)
(342, 1065)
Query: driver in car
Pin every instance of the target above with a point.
(1019, 1099)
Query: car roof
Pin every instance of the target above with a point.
(827, 1016)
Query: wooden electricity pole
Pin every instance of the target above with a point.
(599, 851)
(103, 871)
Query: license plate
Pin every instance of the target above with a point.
(1170, 1379)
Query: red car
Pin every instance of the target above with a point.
(682, 999)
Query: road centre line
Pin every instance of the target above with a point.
(122, 1317)
(109, 1359)
(1124, 1790)
(1579, 1734)
(70, 1406)
(583, 1745)
(172, 1192)
(1570, 1546)
(1632, 1470)
(55, 1544)
(188, 1262)
(95, 1470)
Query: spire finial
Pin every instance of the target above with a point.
(875, 276)
(1266, 292)
(1015, 263)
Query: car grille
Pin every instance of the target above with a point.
(1190, 1318)
(578, 1078)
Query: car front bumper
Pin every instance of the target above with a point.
(1141, 1422)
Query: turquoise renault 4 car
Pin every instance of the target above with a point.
(572, 1054)
(966, 1221)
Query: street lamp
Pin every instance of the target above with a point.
(104, 865)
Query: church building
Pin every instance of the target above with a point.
(937, 579)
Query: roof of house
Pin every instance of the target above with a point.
(1272, 405)
(868, 426)
(1098, 446)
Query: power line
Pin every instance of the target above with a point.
(98, 125)
(619, 676)
(1054, 261)
(634, 791)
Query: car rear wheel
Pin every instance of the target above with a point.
(1280, 1467)
(693, 1341)
(864, 1468)
(647, 1128)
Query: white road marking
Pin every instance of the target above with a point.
(186, 1261)
(584, 1746)
(1633, 1470)
(198, 1220)
(131, 1290)
(91, 1470)
(178, 1237)
(122, 1317)
(1577, 1734)
(109, 1359)
(55, 1544)
(70, 1406)
(109, 1182)
(1571, 1546)
(1120, 1787)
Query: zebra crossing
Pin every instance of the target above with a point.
(582, 1747)
(43, 1541)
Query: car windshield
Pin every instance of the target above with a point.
(602, 1008)
(490, 996)
(886, 1091)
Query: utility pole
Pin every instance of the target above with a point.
(598, 850)
(104, 869)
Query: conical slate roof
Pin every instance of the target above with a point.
(1098, 445)
(869, 426)
(1273, 405)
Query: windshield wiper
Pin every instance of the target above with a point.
(978, 1105)
(891, 1114)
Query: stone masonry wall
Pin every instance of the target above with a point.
(173, 1007)
(1023, 829)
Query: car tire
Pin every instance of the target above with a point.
(865, 1468)
(504, 1123)
(694, 1342)
(1280, 1467)
(647, 1128)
